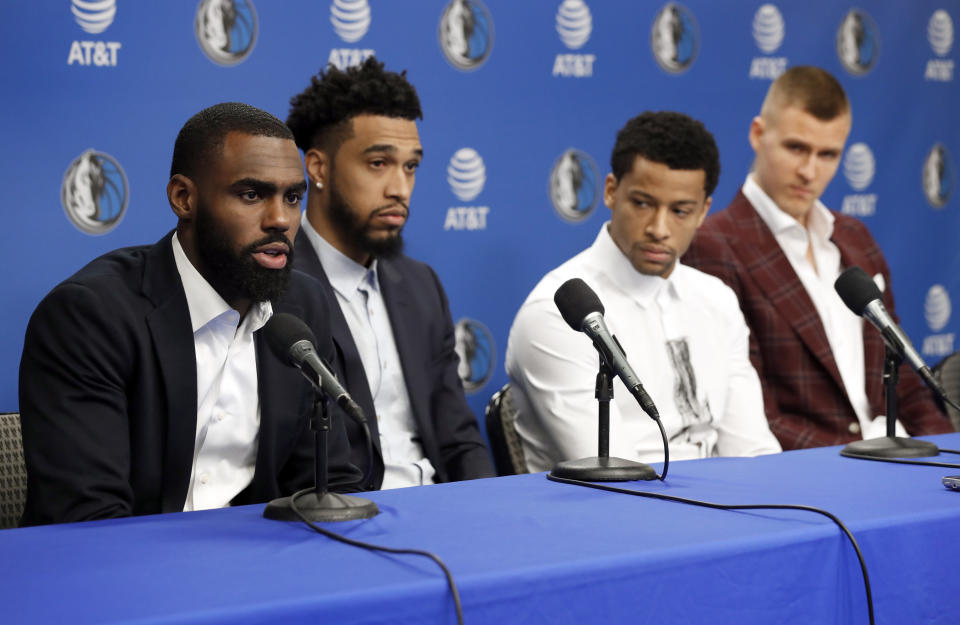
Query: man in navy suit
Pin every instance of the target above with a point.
(361, 147)
(146, 385)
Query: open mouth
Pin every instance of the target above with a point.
(273, 256)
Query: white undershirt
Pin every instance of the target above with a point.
(361, 301)
(843, 328)
(228, 403)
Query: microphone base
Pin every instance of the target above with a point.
(321, 508)
(890, 447)
(605, 469)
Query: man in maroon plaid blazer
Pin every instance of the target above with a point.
(780, 250)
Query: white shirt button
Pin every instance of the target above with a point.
(204, 478)
(854, 428)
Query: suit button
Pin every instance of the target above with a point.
(854, 428)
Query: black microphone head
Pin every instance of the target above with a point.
(856, 289)
(576, 300)
(282, 331)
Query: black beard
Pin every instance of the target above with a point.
(357, 233)
(238, 276)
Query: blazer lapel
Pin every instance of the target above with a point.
(768, 266)
(356, 378)
(851, 253)
(409, 338)
(170, 329)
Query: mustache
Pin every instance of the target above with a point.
(276, 237)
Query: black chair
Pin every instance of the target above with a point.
(501, 416)
(947, 372)
(13, 472)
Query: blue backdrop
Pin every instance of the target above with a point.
(521, 104)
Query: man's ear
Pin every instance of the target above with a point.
(757, 127)
(182, 195)
(706, 209)
(609, 190)
(317, 163)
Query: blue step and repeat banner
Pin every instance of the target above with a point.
(521, 104)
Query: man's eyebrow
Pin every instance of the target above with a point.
(261, 186)
(299, 187)
(390, 149)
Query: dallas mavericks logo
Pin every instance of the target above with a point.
(94, 192)
(859, 166)
(466, 174)
(94, 16)
(573, 185)
(937, 176)
(675, 38)
(574, 23)
(936, 308)
(474, 346)
(857, 43)
(350, 19)
(466, 34)
(768, 28)
(226, 30)
(940, 32)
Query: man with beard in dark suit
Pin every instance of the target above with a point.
(146, 385)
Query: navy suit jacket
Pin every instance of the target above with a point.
(423, 330)
(803, 393)
(108, 395)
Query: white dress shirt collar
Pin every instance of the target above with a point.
(203, 301)
(345, 274)
(819, 222)
(641, 288)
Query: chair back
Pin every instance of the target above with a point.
(13, 472)
(501, 416)
(947, 372)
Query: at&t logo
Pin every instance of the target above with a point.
(573, 185)
(226, 30)
(351, 21)
(938, 176)
(94, 192)
(574, 25)
(475, 348)
(857, 42)
(466, 175)
(466, 34)
(675, 38)
(859, 168)
(937, 310)
(940, 35)
(94, 17)
(768, 32)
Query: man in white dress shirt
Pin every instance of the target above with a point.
(682, 330)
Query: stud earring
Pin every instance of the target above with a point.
(319, 185)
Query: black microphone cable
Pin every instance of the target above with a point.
(371, 547)
(719, 506)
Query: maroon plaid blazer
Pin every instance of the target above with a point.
(803, 394)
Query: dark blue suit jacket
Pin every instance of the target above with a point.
(108, 395)
(423, 330)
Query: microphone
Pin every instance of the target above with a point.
(293, 342)
(861, 295)
(581, 309)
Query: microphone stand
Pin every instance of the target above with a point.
(320, 505)
(603, 468)
(891, 445)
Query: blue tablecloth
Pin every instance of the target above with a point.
(525, 550)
